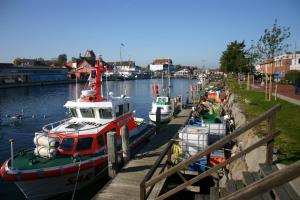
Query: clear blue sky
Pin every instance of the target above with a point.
(191, 32)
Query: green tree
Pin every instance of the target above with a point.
(17, 61)
(62, 59)
(234, 59)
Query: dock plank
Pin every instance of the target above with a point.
(126, 184)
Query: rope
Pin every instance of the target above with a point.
(75, 187)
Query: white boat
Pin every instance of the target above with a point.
(163, 103)
(166, 112)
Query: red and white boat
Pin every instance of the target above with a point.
(71, 154)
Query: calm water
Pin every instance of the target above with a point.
(48, 101)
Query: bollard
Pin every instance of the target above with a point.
(125, 144)
(112, 155)
(158, 119)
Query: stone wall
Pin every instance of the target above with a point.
(250, 161)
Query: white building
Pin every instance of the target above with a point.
(162, 64)
(295, 61)
(125, 68)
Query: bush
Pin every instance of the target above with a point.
(292, 76)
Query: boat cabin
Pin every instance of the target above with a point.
(163, 100)
(85, 132)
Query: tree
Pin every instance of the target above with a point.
(271, 44)
(62, 59)
(17, 61)
(233, 59)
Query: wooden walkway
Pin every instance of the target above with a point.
(126, 185)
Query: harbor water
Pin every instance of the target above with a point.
(44, 104)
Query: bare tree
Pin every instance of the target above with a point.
(271, 44)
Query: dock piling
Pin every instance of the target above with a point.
(158, 119)
(125, 144)
(112, 154)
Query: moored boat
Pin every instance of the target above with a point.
(162, 102)
(72, 153)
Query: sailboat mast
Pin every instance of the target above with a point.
(169, 82)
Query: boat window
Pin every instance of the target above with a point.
(87, 113)
(73, 112)
(100, 139)
(119, 110)
(84, 144)
(105, 113)
(93, 72)
(67, 144)
(126, 107)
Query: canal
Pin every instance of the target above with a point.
(44, 104)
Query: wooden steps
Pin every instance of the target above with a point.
(285, 191)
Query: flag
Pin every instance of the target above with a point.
(122, 45)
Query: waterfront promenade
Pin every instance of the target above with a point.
(126, 185)
(285, 92)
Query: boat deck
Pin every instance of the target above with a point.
(126, 184)
(29, 161)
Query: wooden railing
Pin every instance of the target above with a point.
(273, 180)
(149, 181)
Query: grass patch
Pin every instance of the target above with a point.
(287, 120)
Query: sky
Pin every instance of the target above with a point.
(190, 32)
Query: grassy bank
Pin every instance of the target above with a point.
(287, 120)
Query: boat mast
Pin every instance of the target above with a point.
(169, 82)
(98, 83)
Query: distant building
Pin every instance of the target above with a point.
(32, 62)
(281, 64)
(28, 74)
(162, 65)
(182, 73)
(125, 68)
(295, 61)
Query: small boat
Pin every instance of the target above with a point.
(72, 153)
(166, 113)
(163, 103)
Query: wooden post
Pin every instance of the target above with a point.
(173, 106)
(180, 104)
(270, 144)
(125, 144)
(266, 87)
(142, 191)
(248, 81)
(276, 90)
(112, 154)
(158, 119)
(169, 156)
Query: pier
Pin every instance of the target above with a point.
(126, 185)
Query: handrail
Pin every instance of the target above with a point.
(271, 181)
(216, 145)
(219, 166)
(149, 182)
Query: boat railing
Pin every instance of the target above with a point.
(48, 127)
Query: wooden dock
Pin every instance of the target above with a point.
(126, 185)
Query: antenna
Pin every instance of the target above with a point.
(76, 87)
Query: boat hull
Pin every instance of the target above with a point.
(49, 187)
(165, 117)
